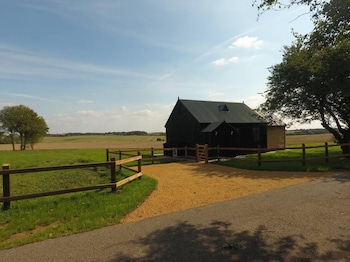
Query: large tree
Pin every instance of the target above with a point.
(313, 80)
(23, 123)
(315, 5)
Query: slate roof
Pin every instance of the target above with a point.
(218, 112)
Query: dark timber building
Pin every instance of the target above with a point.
(220, 123)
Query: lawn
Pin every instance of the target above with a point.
(291, 159)
(48, 217)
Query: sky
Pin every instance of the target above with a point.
(110, 66)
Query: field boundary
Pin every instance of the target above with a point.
(205, 153)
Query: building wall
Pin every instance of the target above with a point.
(181, 128)
(239, 135)
(276, 137)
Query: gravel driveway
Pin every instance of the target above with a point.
(186, 185)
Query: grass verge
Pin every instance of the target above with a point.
(42, 218)
(291, 160)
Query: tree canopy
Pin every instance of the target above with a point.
(315, 5)
(313, 80)
(22, 124)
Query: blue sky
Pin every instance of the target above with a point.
(108, 65)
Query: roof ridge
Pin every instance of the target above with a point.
(209, 101)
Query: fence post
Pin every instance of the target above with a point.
(120, 158)
(186, 156)
(259, 155)
(206, 150)
(152, 153)
(304, 155)
(326, 151)
(197, 153)
(113, 175)
(6, 186)
(139, 163)
(218, 152)
(107, 155)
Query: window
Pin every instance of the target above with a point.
(223, 108)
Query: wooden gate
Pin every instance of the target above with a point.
(202, 153)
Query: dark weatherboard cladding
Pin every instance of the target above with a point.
(215, 123)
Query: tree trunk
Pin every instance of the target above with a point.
(22, 142)
(346, 149)
(346, 140)
(13, 142)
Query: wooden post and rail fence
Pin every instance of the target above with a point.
(259, 151)
(197, 153)
(6, 173)
(205, 153)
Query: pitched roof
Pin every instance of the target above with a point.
(217, 112)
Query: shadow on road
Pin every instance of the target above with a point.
(188, 242)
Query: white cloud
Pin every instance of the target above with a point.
(149, 118)
(28, 96)
(247, 42)
(254, 101)
(17, 63)
(224, 61)
(215, 94)
(83, 101)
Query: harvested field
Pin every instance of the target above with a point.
(185, 185)
(146, 141)
(93, 144)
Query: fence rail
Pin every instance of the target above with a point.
(167, 153)
(303, 148)
(202, 153)
(6, 173)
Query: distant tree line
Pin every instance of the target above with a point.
(129, 133)
(315, 131)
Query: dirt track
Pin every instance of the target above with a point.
(185, 185)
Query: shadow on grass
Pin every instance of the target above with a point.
(188, 242)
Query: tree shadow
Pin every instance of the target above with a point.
(342, 178)
(217, 242)
(214, 170)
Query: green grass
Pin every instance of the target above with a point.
(48, 217)
(291, 160)
(145, 154)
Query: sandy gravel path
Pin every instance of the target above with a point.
(185, 185)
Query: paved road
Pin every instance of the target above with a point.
(305, 222)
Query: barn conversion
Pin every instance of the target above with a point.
(220, 123)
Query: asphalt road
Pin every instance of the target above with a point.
(305, 222)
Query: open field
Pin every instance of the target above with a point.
(96, 142)
(308, 139)
(147, 141)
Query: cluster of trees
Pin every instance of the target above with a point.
(22, 125)
(313, 80)
(315, 131)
